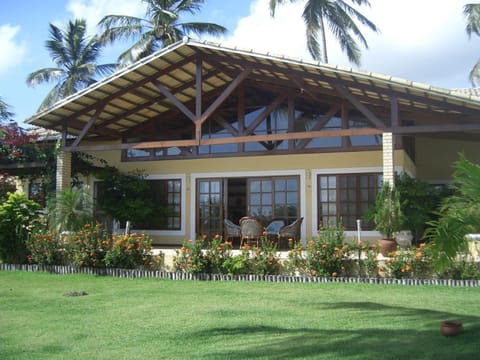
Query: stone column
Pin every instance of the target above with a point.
(64, 170)
(388, 165)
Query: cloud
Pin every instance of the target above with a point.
(423, 41)
(13, 52)
(94, 10)
(284, 34)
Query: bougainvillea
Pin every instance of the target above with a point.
(17, 145)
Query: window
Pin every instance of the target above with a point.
(346, 198)
(36, 192)
(271, 198)
(167, 200)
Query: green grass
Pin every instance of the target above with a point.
(161, 319)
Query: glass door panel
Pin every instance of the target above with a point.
(209, 207)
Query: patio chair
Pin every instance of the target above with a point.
(273, 228)
(251, 230)
(231, 230)
(291, 231)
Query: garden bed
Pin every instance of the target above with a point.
(160, 274)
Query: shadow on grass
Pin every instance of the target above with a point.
(422, 341)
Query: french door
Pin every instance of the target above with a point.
(209, 207)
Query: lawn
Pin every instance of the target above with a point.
(163, 319)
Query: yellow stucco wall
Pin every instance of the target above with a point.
(435, 157)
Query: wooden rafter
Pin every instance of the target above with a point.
(359, 106)
(88, 125)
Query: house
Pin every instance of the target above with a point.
(226, 132)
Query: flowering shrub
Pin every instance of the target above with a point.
(265, 260)
(413, 262)
(325, 254)
(87, 246)
(44, 248)
(193, 258)
(129, 251)
(190, 258)
(16, 145)
(260, 260)
(296, 262)
(240, 264)
(217, 253)
(369, 261)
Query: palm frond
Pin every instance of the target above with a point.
(143, 47)
(273, 5)
(472, 13)
(5, 113)
(44, 75)
(121, 27)
(202, 28)
(474, 75)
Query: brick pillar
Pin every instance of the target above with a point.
(64, 170)
(388, 168)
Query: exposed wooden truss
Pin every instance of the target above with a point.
(180, 90)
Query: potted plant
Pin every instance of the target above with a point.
(387, 216)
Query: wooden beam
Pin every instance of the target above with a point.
(175, 101)
(230, 88)
(394, 111)
(422, 129)
(198, 88)
(319, 125)
(88, 125)
(226, 125)
(140, 145)
(359, 106)
(258, 120)
(292, 136)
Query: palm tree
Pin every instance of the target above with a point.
(75, 55)
(161, 27)
(5, 114)
(339, 15)
(69, 210)
(472, 13)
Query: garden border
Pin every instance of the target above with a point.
(161, 274)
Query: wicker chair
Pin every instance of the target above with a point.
(251, 230)
(231, 230)
(291, 231)
(273, 228)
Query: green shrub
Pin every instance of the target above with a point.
(238, 264)
(129, 251)
(18, 218)
(458, 215)
(462, 270)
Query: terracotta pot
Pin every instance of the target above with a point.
(387, 246)
(451, 328)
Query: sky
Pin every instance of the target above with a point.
(419, 40)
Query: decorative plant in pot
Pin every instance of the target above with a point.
(387, 216)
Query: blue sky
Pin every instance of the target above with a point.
(420, 40)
